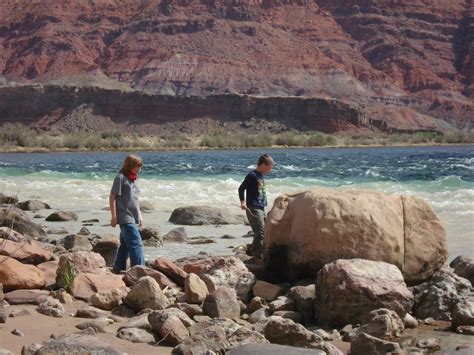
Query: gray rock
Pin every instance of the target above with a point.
(190, 309)
(410, 322)
(202, 215)
(136, 335)
(51, 307)
(176, 235)
(304, 297)
(5, 352)
(146, 294)
(99, 324)
(286, 332)
(62, 216)
(17, 220)
(107, 248)
(282, 303)
(294, 316)
(33, 205)
(463, 312)
(259, 314)
(274, 349)
(384, 324)
(464, 267)
(71, 344)
(430, 344)
(222, 303)
(76, 242)
(90, 312)
(151, 237)
(18, 332)
(367, 344)
(146, 206)
(368, 285)
(436, 298)
(465, 329)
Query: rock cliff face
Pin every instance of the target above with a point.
(402, 65)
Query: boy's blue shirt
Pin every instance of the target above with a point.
(256, 193)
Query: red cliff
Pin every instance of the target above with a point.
(402, 65)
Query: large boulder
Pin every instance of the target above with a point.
(347, 290)
(199, 215)
(17, 220)
(15, 276)
(31, 252)
(306, 230)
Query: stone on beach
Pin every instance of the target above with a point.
(176, 235)
(230, 272)
(170, 269)
(31, 252)
(85, 284)
(306, 230)
(33, 205)
(71, 344)
(464, 267)
(347, 290)
(437, 298)
(135, 273)
(17, 220)
(146, 294)
(201, 215)
(62, 216)
(222, 303)
(14, 275)
(195, 289)
(107, 247)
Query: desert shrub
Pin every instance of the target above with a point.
(93, 142)
(16, 134)
(289, 139)
(51, 142)
(75, 140)
(317, 139)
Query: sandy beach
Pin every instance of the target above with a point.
(38, 328)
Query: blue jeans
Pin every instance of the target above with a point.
(130, 245)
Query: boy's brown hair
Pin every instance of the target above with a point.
(265, 159)
(130, 162)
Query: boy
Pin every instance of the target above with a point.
(256, 200)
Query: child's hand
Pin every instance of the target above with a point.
(140, 221)
(243, 205)
(113, 222)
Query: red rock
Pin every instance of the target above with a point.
(30, 252)
(168, 268)
(15, 275)
(86, 284)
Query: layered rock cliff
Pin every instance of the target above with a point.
(402, 65)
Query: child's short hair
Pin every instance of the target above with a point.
(131, 162)
(265, 159)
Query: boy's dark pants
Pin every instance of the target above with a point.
(256, 217)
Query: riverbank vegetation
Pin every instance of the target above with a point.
(16, 137)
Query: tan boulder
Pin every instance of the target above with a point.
(49, 269)
(15, 275)
(195, 289)
(28, 252)
(306, 230)
(85, 285)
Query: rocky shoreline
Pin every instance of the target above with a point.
(212, 303)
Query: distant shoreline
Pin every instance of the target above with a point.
(27, 150)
